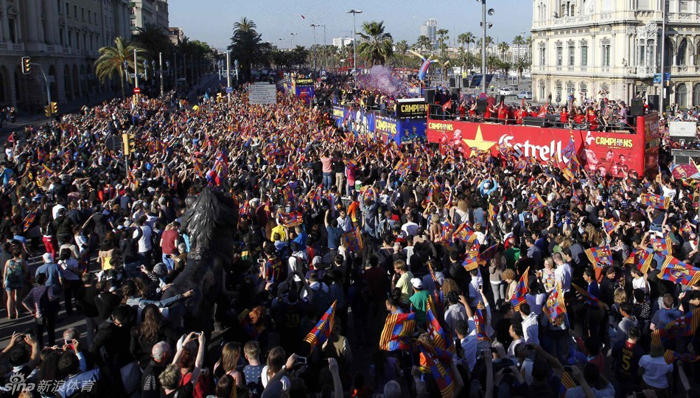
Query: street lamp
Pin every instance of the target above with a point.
(314, 26)
(354, 45)
(293, 34)
(483, 41)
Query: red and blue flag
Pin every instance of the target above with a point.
(320, 333)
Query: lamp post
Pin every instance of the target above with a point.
(314, 26)
(354, 45)
(160, 67)
(293, 34)
(483, 42)
(136, 72)
(663, 58)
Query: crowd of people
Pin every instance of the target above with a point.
(358, 268)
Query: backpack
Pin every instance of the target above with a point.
(321, 300)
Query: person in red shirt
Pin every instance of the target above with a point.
(472, 111)
(462, 110)
(520, 115)
(168, 243)
(502, 112)
(490, 111)
(564, 115)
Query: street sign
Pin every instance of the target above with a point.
(229, 90)
(262, 94)
(137, 90)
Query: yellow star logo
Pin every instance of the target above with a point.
(478, 142)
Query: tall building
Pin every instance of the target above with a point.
(175, 35)
(429, 29)
(587, 47)
(63, 37)
(149, 12)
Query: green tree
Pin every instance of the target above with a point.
(466, 39)
(376, 45)
(503, 48)
(153, 39)
(247, 47)
(442, 40)
(112, 61)
(492, 63)
(402, 47)
(423, 43)
(521, 64)
(299, 55)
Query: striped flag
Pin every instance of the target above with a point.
(29, 220)
(677, 271)
(610, 225)
(567, 382)
(520, 290)
(663, 246)
(398, 329)
(440, 336)
(480, 323)
(600, 257)
(320, 333)
(438, 363)
(655, 201)
(672, 356)
(683, 326)
(352, 241)
(464, 233)
(570, 149)
(487, 255)
(471, 260)
(292, 219)
(641, 258)
(554, 307)
(536, 201)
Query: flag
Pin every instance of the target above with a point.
(590, 300)
(600, 257)
(686, 325)
(536, 201)
(569, 150)
(555, 306)
(663, 246)
(610, 225)
(520, 290)
(440, 336)
(655, 201)
(447, 105)
(641, 258)
(471, 260)
(432, 275)
(398, 329)
(480, 323)
(487, 255)
(492, 213)
(685, 171)
(567, 382)
(291, 219)
(438, 363)
(29, 220)
(446, 233)
(677, 271)
(288, 193)
(352, 241)
(465, 233)
(320, 333)
(672, 356)
(221, 164)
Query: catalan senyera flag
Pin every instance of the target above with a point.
(536, 201)
(440, 336)
(555, 306)
(590, 300)
(398, 329)
(686, 325)
(677, 271)
(655, 201)
(664, 246)
(352, 241)
(438, 363)
(320, 333)
(520, 290)
(672, 356)
(567, 382)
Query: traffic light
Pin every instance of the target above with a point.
(219, 97)
(47, 111)
(26, 65)
(54, 108)
(129, 144)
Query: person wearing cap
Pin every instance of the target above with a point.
(52, 272)
(419, 300)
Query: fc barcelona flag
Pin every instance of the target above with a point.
(320, 333)
(641, 258)
(441, 338)
(480, 323)
(590, 299)
(487, 255)
(536, 201)
(663, 246)
(438, 363)
(655, 201)
(398, 329)
(471, 261)
(610, 225)
(677, 271)
(292, 219)
(600, 257)
(520, 290)
(29, 220)
(683, 326)
(672, 356)
(446, 233)
(465, 232)
(555, 306)
(352, 241)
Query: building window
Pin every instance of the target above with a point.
(685, 6)
(642, 55)
(82, 10)
(68, 9)
(543, 93)
(682, 49)
(543, 56)
(560, 55)
(570, 90)
(584, 54)
(75, 11)
(571, 54)
(60, 36)
(58, 5)
(583, 89)
(558, 93)
(606, 54)
(70, 39)
(644, 4)
(12, 25)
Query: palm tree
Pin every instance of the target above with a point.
(466, 39)
(520, 65)
(442, 39)
(528, 41)
(376, 46)
(153, 39)
(247, 47)
(402, 47)
(503, 48)
(518, 41)
(423, 43)
(115, 61)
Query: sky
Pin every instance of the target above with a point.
(212, 20)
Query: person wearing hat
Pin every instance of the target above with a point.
(419, 300)
(52, 272)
